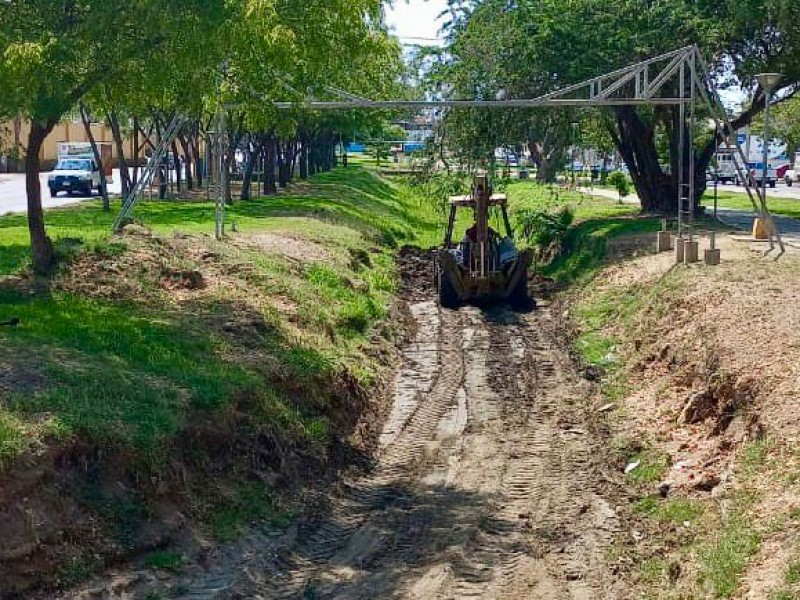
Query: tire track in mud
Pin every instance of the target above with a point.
(485, 484)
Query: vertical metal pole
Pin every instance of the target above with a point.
(765, 166)
(219, 213)
(716, 166)
(681, 145)
(692, 182)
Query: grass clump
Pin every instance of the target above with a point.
(676, 511)
(254, 502)
(165, 560)
(12, 437)
(724, 559)
(651, 469)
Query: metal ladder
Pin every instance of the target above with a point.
(149, 171)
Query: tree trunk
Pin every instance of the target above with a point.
(283, 180)
(658, 191)
(270, 189)
(178, 163)
(304, 158)
(312, 155)
(124, 170)
(42, 252)
(87, 125)
(546, 169)
(136, 151)
(250, 165)
(188, 161)
(194, 143)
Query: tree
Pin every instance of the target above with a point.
(547, 44)
(55, 52)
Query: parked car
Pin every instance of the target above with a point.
(791, 177)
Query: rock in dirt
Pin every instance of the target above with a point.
(699, 407)
(707, 482)
(591, 373)
(185, 279)
(663, 489)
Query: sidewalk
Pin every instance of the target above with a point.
(788, 227)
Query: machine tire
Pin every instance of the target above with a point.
(772, 184)
(448, 297)
(53, 192)
(519, 298)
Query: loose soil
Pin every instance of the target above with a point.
(710, 374)
(491, 479)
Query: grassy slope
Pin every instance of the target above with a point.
(708, 541)
(597, 219)
(130, 371)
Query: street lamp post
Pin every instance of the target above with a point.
(768, 82)
(575, 126)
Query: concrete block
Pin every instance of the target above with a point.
(712, 256)
(679, 251)
(761, 229)
(664, 241)
(690, 252)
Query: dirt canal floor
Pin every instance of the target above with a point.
(490, 482)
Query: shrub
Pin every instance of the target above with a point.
(545, 231)
(620, 182)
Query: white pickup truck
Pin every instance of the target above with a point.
(77, 171)
(792, 175)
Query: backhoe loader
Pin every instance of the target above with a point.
(484, 265)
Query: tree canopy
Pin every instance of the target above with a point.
(525, 48)
(145, 61)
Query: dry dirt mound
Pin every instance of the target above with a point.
(710, 356)
(295, 249)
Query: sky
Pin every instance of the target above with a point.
(414, 21)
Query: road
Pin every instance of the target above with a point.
(13, 198)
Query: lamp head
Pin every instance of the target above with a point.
(769, 81)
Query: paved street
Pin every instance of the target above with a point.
(13, 198)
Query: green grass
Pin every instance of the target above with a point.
(587, 243)
(676, 511)
(740, 201)
(651, 469)
(130, 372)
(353, 197)
(252, 502)
(725, 557)
(165, 560)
